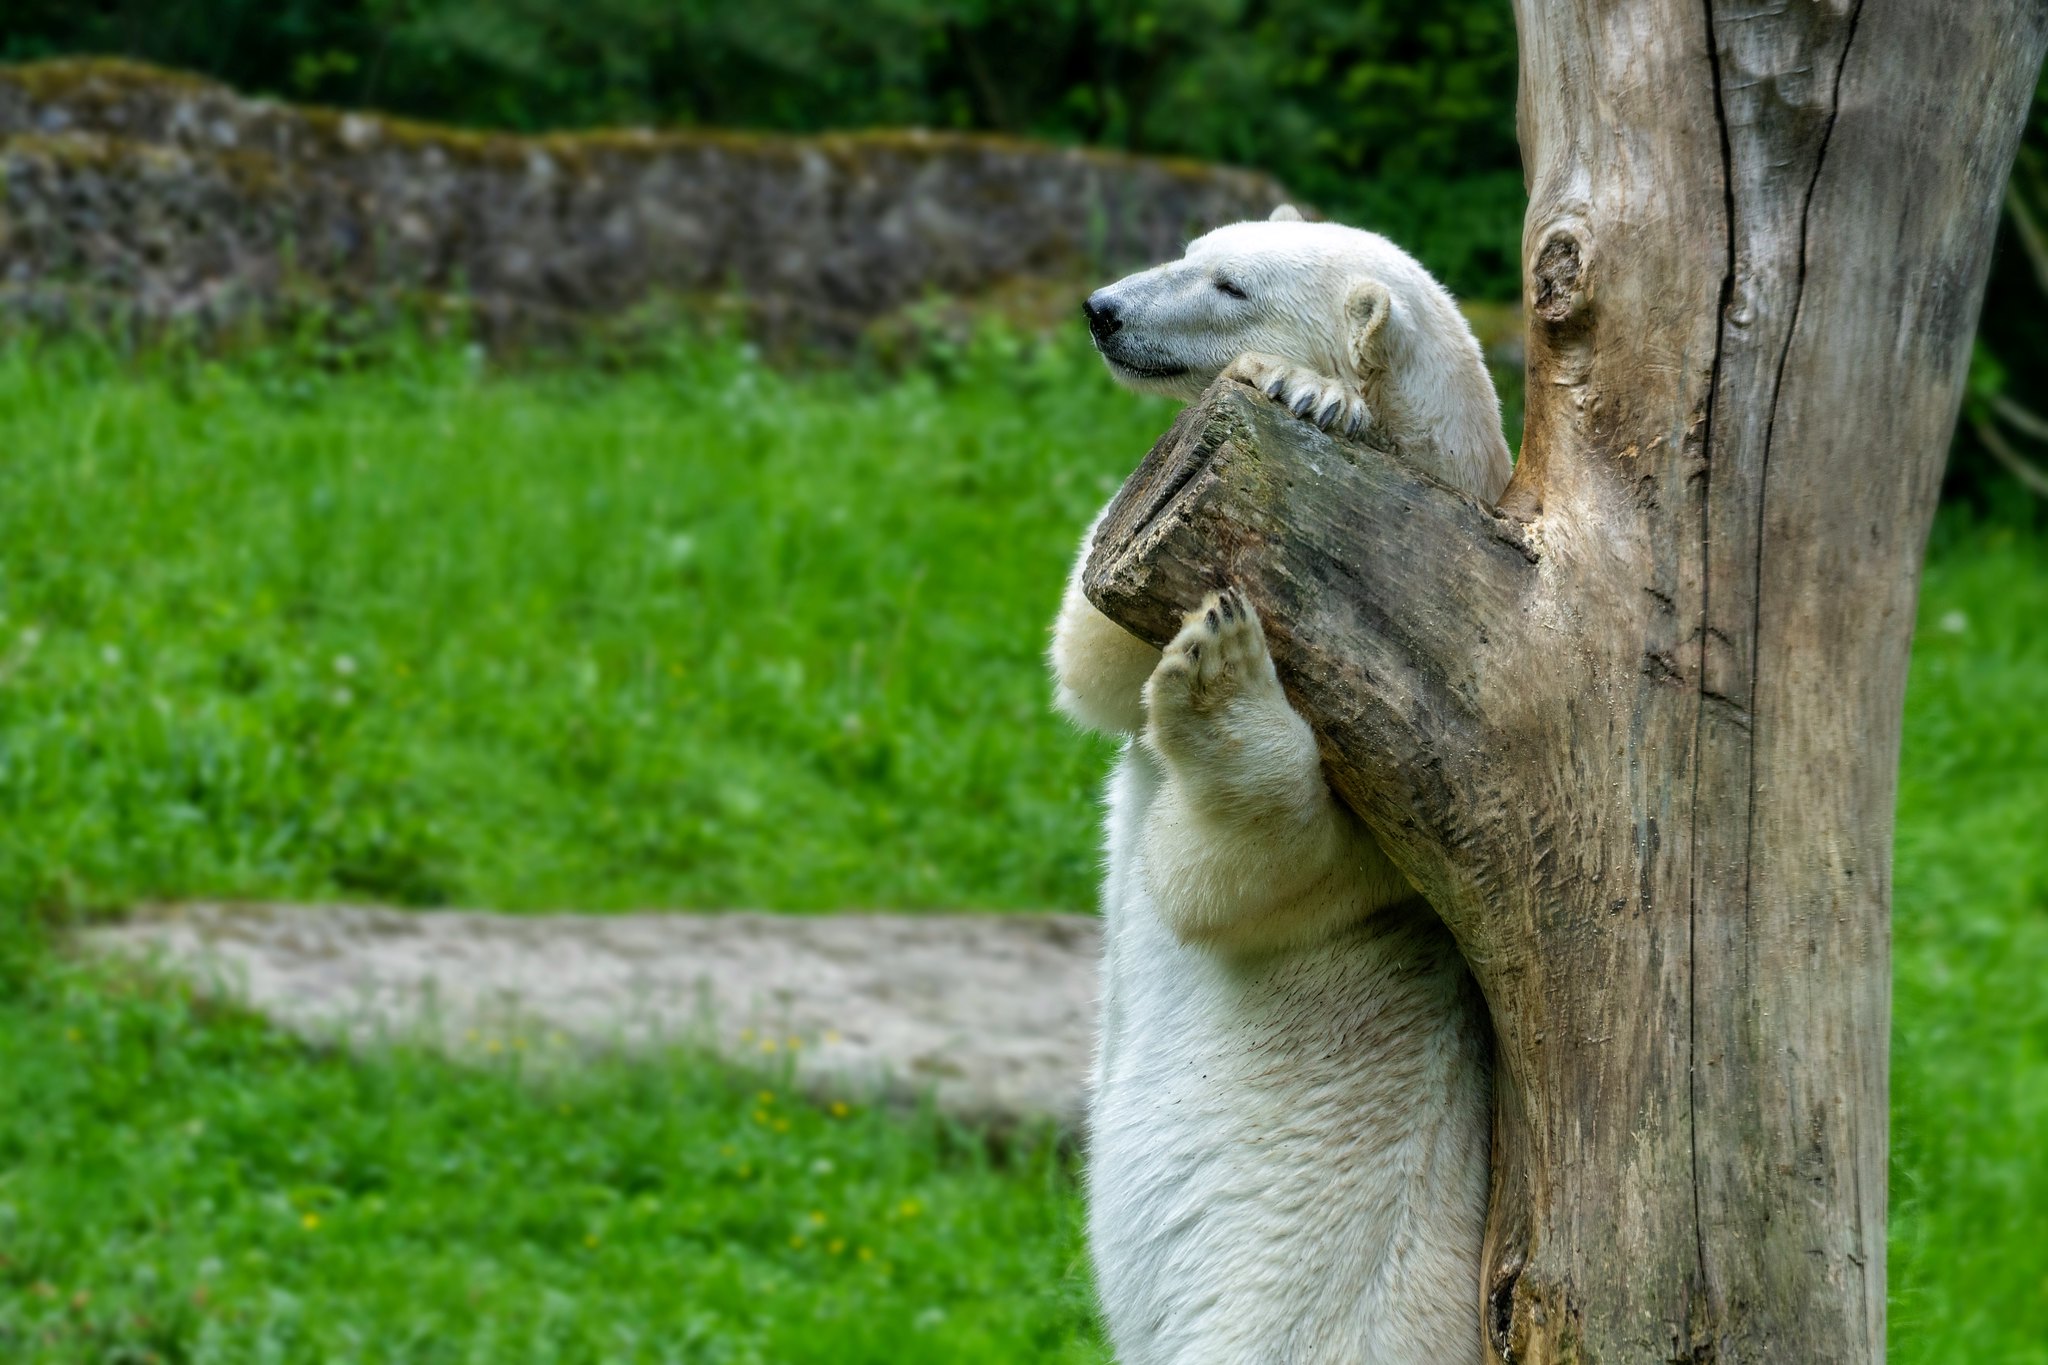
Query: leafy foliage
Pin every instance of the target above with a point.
(1383, 112)
(2000, 459)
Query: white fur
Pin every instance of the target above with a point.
(1289, 1134)
(1342, 325)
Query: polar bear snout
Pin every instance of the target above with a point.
(1105, 319)
(1124, 321)
(1132, 357)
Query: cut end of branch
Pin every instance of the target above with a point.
(1118, 578)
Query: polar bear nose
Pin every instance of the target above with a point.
(1103, 322)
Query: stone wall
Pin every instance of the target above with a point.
(133, 192)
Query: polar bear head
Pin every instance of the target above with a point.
(1338, 301)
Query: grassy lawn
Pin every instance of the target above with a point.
(179, 1183)
(695, 635)
(1970, 963)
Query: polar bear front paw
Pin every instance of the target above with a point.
(1214, 709)
(1317, 398)
(1219, 652)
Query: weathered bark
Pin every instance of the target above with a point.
(1635, 735)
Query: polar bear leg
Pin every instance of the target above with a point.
(1330, 403)
(1100, 668)
(1246, 848)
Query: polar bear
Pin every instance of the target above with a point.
(1290, 1118)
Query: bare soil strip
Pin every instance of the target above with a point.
(992, 1014)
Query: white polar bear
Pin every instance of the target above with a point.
(1290, 1122)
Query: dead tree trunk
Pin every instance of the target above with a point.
(1635, 735)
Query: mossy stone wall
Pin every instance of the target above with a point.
(131, 191)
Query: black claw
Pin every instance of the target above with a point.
(1210, 617)
(1229, 612)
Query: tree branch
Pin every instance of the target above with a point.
(1388, 599)
(2032, 479)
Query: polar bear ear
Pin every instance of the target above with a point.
(1367, 308)
(1286, 213)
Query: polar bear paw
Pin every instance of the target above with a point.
(1317, 398)
(1214, 698)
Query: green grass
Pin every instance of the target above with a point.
(689, 636)
(425, 634)
(180, 1184)
(1970, 963)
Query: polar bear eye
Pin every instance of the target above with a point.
(1226, 287)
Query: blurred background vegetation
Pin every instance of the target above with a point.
(1381, 111)
(1386, 113)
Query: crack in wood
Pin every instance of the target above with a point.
(1705, 477)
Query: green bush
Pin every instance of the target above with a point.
(1373, 110)
(1999, 463)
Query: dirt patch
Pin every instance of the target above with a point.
(992, 1013)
